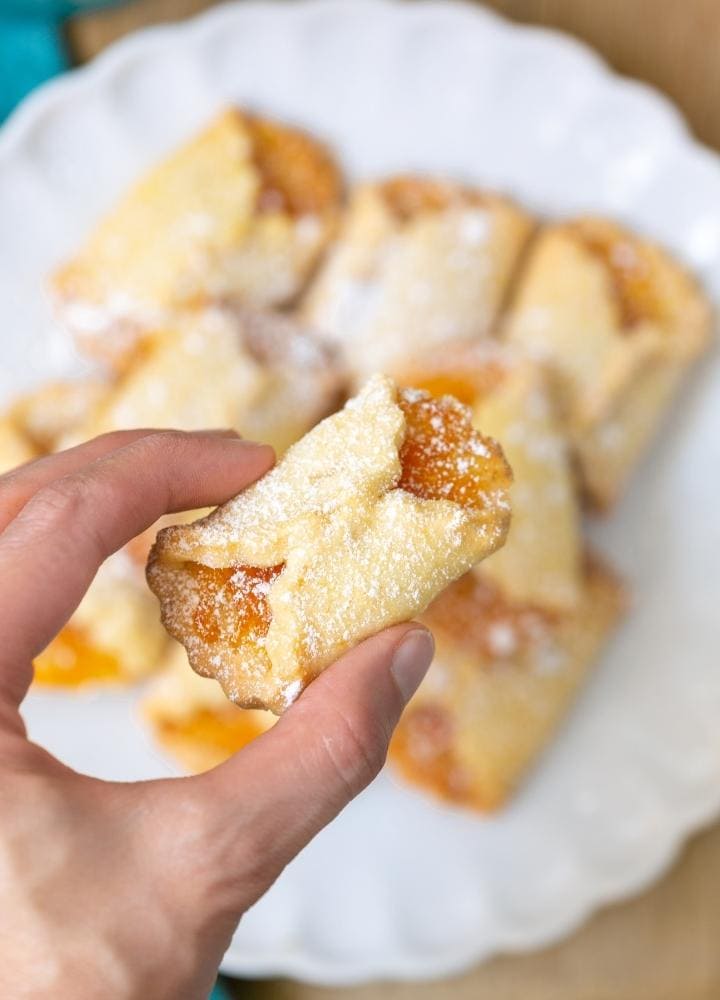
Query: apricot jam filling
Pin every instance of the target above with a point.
(631, 278)
(443, 457)
(467, 386)
(297, 177)
(227, 731)
(71, 659)
(232, 607)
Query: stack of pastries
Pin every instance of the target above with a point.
(239, 285)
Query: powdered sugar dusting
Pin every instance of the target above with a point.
(359, 550)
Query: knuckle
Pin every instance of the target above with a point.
(59, 500)
(70, 504)
(163, 450)
(168, 443)
(356, 749)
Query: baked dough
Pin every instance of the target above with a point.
(417, 263)
(242, 209)
(361, 524)
(112, 637)
(503, 678)
(53, 411)
(225, 367)
(15, 448)
(541, 561)
(617, 322)
(192, 720)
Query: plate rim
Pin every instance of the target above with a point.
(691, 816)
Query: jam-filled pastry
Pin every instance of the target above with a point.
(360, 525)
(192, 720)
(503, 678)
(243, 209)
(55, 410)
(112, 637)
(417, 263)
(617, 322)
(225, 367)
(541, 561)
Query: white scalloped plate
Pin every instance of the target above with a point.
(399, 887)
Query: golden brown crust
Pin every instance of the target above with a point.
(337, 542)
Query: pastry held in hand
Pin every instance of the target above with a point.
(363, 522)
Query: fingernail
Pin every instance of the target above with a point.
(411, 661)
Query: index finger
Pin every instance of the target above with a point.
(18, 485)
(51, 551)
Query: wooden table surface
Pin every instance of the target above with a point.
(664, 945)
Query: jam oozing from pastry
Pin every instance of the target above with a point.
(467, 386)
(455, 384)
(224, 732)
(443, 457)
(474, 614)
(71, 659)
(232, 607)
(630, 276)
(296, 175)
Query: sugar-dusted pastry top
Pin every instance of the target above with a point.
(192, 719)
(223, 366)
(418, 262)
(600, 305)
(112, 636)
(504, 675)
(616, 322)
(243, 209)
(361, 524)
(511, 401)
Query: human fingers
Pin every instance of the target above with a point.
(269, 800)
(52, 549)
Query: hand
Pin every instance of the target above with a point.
(134, 890)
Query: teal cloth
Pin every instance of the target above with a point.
(31, 51)
(32, 48)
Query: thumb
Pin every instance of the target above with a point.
(270, 799)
